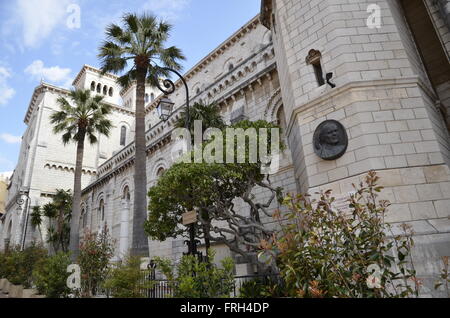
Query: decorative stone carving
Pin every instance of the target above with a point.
(330, 140)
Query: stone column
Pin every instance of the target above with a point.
(124, 220)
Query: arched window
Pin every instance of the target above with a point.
(93, 86)
(110, 92)
(83, 222)
(126, 193)
(152, 97)
(160, 172)
(230, 67)
(101, 210)
(99, 88)
(146, 98)
(8, 233)
(105, 89)
(281, 120)
(123, 135)
(197, 91)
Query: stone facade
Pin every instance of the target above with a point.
(386, 100)
(387, 96)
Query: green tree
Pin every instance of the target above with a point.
(209, 114)
(36, 220)
(211, 188)
(141, 42)
(86, 118)
(59, 213)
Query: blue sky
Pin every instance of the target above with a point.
(42, 39)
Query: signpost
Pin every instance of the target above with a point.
(189, 219)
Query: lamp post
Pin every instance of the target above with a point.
(165, 109)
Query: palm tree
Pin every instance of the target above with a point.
(86, 118)
(209, 114)
(142, 43)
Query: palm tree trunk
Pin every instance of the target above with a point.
(75, 218)
(139, 245)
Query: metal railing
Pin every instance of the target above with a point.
(162, 288)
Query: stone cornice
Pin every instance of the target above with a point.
(92, 69)
(363, 84)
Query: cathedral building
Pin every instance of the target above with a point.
(356, 85)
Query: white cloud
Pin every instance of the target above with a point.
(53, 74)
(10, 139)
(39, 18)
(6, 92)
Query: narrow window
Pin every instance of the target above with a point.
(313, 59)
(126, 193)
(99, 88)
(281, 122)
(152, 97)
(146, 98)
(160, 172)
(105, 89)
(110, 93)
(101, 210)
(93, 86)
(123, 135)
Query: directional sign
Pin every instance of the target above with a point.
(189, 217)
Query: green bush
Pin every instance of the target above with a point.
(95, 254)
(18, 265)
(125, 280)
(197, 279)
(261, 288)
(50, 276)
(325, 252)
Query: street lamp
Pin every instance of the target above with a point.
(165, 105)
(165, 108)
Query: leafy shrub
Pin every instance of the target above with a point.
(95, 253)
(18, 265)
(125, 281)
(323, 252)
(50, 276)
(261, 287)
(197, 279)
